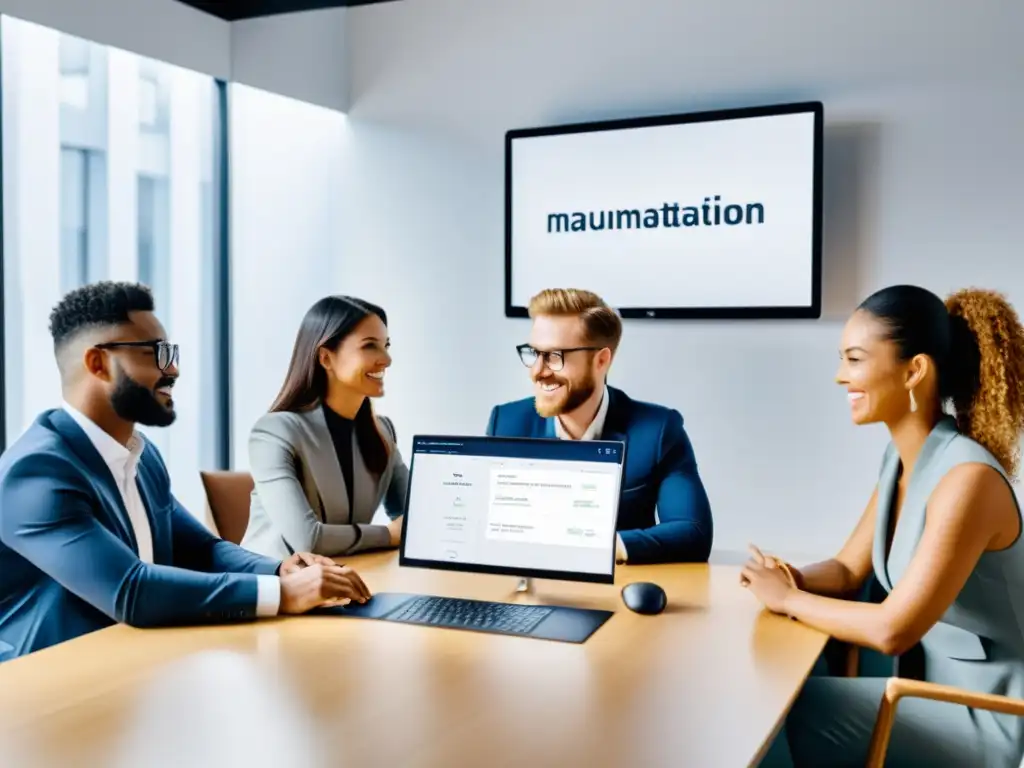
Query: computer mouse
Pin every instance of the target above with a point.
(644, 597)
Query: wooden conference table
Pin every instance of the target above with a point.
(706, 683)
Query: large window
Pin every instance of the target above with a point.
(75, 267)
(110, 166)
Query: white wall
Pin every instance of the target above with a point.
(286, 167)
(161, 29)
(923, 157)
(301, 55)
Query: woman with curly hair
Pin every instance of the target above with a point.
(941, 533)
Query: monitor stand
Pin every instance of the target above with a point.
(525, 586)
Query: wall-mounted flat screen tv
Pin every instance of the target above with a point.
(712, 215)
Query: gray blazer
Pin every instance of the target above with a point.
(300, 502)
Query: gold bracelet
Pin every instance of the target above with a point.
(787, 569)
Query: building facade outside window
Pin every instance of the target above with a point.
(109, 167)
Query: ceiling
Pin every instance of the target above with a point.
(233, 10)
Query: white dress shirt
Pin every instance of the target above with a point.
(593, 432)
(123, 462)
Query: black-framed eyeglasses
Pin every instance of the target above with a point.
(166, 354)
(554, 359)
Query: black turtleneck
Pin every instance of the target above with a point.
(341, 435)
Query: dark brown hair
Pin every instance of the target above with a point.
(327, 324)
(977, 343)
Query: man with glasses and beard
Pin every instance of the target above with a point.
(664, 513)
(90, 533)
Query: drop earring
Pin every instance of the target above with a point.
(913, 402)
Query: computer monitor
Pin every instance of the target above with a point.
(538, 508)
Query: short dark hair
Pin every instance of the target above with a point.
(97, 305)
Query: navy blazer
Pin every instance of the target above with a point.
(660, 474)
(69, 563)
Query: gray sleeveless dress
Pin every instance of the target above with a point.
(978, 645)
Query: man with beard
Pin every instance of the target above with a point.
(664, 513)
(90, 533)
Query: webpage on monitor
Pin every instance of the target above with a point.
(499, 504)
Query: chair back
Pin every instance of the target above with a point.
(228, 494)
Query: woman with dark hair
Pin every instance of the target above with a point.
(941, 534)
(321, 460)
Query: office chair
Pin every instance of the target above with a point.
(228, 495)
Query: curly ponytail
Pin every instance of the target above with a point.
(984, 373)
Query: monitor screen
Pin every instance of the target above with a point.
(524, 507)
(699, 215)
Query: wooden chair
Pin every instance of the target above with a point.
(228, 495)
(898, 688)
(907, 681)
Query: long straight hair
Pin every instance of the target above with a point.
(326, 325)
